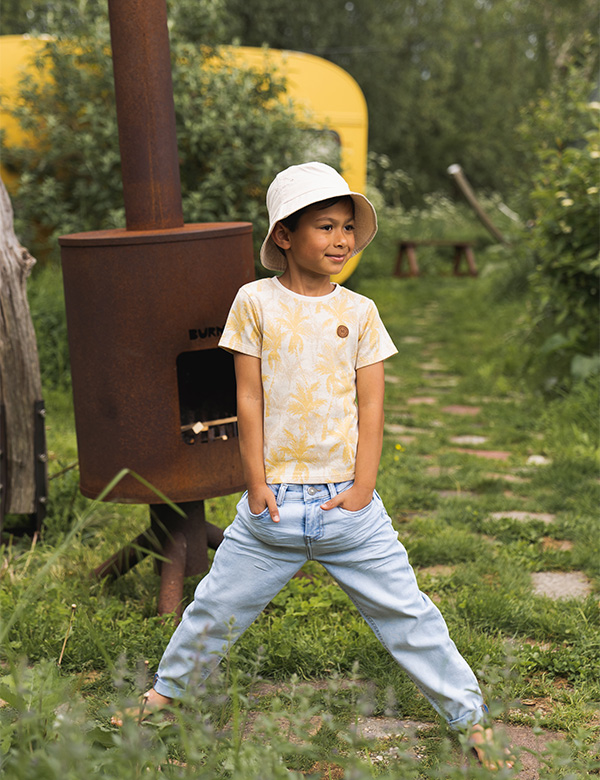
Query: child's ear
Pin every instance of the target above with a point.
(281, 236)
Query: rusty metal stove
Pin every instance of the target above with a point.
(145, 305)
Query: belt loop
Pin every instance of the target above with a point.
(281, 494)
(332, 490)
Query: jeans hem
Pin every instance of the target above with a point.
(167, 689)
(470, 719)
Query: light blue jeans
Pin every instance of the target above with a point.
(361, 551)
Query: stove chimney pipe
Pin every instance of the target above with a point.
(145, 114)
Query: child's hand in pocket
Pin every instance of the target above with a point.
(259, 498)
(353, 499)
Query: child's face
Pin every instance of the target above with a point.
(322, 242)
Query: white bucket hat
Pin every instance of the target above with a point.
(302, 185)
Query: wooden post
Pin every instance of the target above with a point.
(459, 177)
(23, 458)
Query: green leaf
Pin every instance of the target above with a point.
(555, 342)
(584, 367)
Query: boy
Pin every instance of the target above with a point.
(309, 369)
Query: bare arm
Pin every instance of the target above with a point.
(369, 392)
(250, 411)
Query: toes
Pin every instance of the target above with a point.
(485, 749)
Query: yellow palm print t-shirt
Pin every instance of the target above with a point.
(310, 348)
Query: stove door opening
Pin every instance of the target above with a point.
(207, 401)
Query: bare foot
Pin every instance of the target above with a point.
(485, 747)
(152, 701)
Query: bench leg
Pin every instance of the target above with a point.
(411, 256)
(398, 266)
(458, 250)
(413, 266)
(470, 258)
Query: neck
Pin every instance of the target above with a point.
(313, 287)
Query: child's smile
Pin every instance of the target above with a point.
(320, 245)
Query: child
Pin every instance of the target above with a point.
(309, 368)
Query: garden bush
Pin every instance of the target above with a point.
(562, 242)
(235, 130)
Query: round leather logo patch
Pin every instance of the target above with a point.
(342, 331)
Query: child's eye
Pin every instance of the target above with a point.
(325, 227)
(350, 228)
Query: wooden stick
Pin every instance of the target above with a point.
(204, 426)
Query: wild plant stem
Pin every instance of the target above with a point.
(62, 652)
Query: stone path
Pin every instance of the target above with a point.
(387, 737)
(488, 454)
(437, 379)
(524, 517)
(561, 584)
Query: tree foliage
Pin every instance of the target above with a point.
(562, 132)
(235, 131)
(445, 80)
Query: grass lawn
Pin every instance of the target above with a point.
(494, 492)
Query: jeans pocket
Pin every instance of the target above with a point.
(245, 504)
(358, 512)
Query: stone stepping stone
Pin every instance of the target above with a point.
(513, 496)
(439, 570)
(397, 428)
(432, 388)
(423, 400)
(408, 515)
(411, 340)
(432, 365)
(441, 380)
(433, 345)
(524, 517)
(456, 494)
(488, 399)
(462, 410)
(391, 379)
(251, 729)
(528, 742)
(538, 460)
(489, 454)
(549, 543)
(560, 585)
(469, 439)
(508, 477)
(530, 745)
(385, 728)
(439, 471)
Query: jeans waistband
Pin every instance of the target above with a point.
(299, 492)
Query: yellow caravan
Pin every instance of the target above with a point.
(325, 91)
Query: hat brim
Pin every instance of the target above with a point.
(365, 227)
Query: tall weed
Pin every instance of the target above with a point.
(47, 305)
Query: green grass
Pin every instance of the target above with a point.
(525, 648)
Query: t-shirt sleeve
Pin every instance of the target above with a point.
(374, 342)
(242, 331)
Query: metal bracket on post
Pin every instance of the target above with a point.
(40, 464)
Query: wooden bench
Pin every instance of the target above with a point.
(408, 248)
